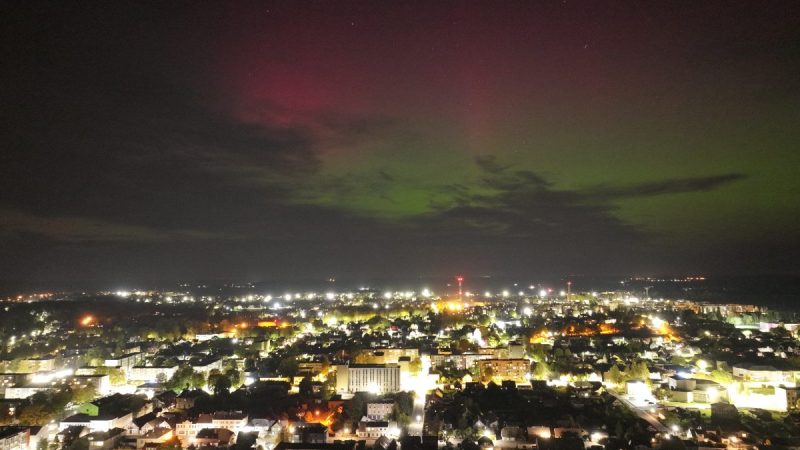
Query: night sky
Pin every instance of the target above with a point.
(313, 139)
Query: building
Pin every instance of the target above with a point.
(516, 350)
(376, 429)
(313, 433)
(8, 380)
(100, 422)
(105, 440)
(125, 362)
(792, 397)
(504, 369)
(206, 365)
(724, 412)
(681, 384)
(379, 410)
(14, 438)
(387, 355)
(374, 378)
(188, 398)
(46, 364)
(346, 445)
(765, 374)
(187, 430)
(154, 437)
(460, 361)
(100, 383)
(214, 437)
(151, 373)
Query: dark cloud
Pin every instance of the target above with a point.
(523, 205)
(488, 164)
(674, 186)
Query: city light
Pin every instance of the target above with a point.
(506, 225)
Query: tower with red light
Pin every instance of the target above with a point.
(460, 280)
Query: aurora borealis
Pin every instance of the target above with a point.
(147, 141)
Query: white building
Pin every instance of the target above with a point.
(379, 410)
(14, 438)
(125, 362)
(187, 430)
(766, 374)
(376, 429)
(374, 378)
(99, 382)
(150, 373)
(102, 422)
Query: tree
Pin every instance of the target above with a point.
(306, 388)
(415, 366)
(288, 367)
(180, 379)
(197, 380)
(488, 374)
(721, 376)
(399, 416)
(235, 377)
(356, 407)
(5, 415)
(78, 444)
(541, 371)
(221, 385)
(615, 375)
(35, 414)
(116, 376)
(84, 394)
(638, 371)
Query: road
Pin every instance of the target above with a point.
(646, 415)
(416, 426)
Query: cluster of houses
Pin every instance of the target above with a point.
(129, 421)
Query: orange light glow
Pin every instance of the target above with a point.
(86, 321)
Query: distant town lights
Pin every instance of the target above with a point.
(330, 296)
(543, 293)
